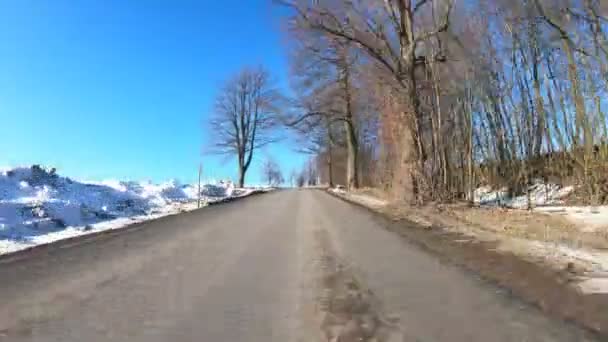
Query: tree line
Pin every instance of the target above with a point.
(429, 99)
(448, 95)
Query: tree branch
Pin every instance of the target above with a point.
(419, 5)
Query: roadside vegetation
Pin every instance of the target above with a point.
(430, 100)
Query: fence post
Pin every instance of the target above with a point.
(200, 170)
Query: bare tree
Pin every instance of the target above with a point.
(324, 73)
(245, 117)
(315, 135)
(390, 33)
(272, 172)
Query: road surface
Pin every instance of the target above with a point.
(243, 271)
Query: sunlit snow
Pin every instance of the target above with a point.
(39, 206)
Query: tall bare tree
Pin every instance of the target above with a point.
(390, 33)
(245, 117)
(324, 73)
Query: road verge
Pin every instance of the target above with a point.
(539, 282)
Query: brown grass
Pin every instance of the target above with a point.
(517, 223)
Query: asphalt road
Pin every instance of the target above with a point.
(243, 271)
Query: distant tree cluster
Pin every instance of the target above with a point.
(272, 173)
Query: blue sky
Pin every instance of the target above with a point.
(122, 88)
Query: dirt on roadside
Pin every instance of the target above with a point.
(549, 288)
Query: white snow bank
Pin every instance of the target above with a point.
(540, 195)
(38, 206)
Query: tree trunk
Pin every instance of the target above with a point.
(352, 146)
(470, 180)
(330, 144)
(404, 185)
(330, 168)
(241, 176)
(581, 123)
(418, 157)
(352, 176)
(439, 152)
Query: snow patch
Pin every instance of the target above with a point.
(38, 206)
(540, 195)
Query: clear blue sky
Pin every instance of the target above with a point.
(122, 88)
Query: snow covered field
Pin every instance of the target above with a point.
(37, 206)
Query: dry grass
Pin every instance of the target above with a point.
(535, 236)
(510, 222)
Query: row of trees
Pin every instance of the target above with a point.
(430, 98)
